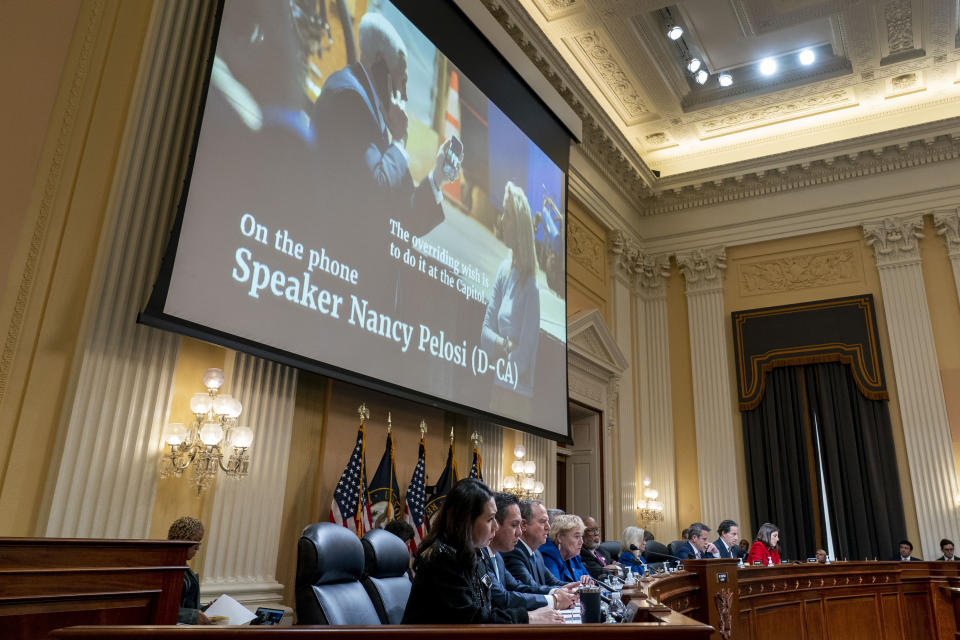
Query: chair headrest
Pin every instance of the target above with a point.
(655, 551)
(385, 555)
(329, 553)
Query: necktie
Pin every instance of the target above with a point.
(599, 557)
(537, 573)
(496, 568)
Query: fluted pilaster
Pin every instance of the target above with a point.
(105, 481)
(654, 400)
(703, 270)
(622, 422)
(491, 452)
(948, 227)
(544, 453)
(923, 410)
(244, 528)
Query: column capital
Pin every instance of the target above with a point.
(948, 227)
(703, 268)
(894, 240)
(652, 273)
(623, 253)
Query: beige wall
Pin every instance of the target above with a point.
(32, 75)
(41, 305)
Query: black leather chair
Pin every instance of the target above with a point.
(386, 560)
(329, 568)
(656, 552)
(675, 546)
(612, 547)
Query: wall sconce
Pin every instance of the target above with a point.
(522, 483)
(650, 509)
(213, 432)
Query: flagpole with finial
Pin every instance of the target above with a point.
(389, 422)
(423, 428)
(364, 416)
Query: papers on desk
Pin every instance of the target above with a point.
(571, 615)
(233, 611)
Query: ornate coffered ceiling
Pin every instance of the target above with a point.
(884, 90)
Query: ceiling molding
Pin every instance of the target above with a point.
(603, 143)
(614, 157)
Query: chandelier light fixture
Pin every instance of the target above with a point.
(522, 482)
(650, 509)
(212, 435)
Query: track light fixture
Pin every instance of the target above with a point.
(807, 57)
(693, 65)
(674, 31)
(768, 66)
(701, 76)
(725, 79)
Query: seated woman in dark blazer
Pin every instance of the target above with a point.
(566, 538)
(451, 585)
(765, 548)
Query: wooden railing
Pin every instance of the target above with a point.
(47, 583)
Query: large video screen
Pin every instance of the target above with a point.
(358, 206)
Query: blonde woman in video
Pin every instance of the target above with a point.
(511, 324)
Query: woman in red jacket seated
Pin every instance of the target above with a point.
(764, 550)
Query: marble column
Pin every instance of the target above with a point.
(654, 399)
(948, 227)
(624, 256)
(244, 524)
(703, 271)
(105, 480)
(923, 411)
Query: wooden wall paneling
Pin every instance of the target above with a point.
(813, 618)
(781, 620)
(890, 616)
(917, 624)
(858, 615)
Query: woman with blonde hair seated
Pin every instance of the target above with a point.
(566, 539)
(632, 544)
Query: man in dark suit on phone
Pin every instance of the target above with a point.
(697, 545)
(364, 171)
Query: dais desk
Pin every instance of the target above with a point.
(840, 601)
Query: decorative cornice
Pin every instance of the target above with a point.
(948, 223)
(703, 269)
(837, 168)
(894, 240)
(605, 146)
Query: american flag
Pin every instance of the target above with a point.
(475, 471)
(417, 500)
(351, 505)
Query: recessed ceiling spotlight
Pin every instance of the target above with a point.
(674, 31)
(725, 79)
(694, 65)
(702, 76)
(768, 66)
(807, 57)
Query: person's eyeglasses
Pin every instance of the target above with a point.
(592, 530)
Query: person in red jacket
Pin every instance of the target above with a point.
(764, 550)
